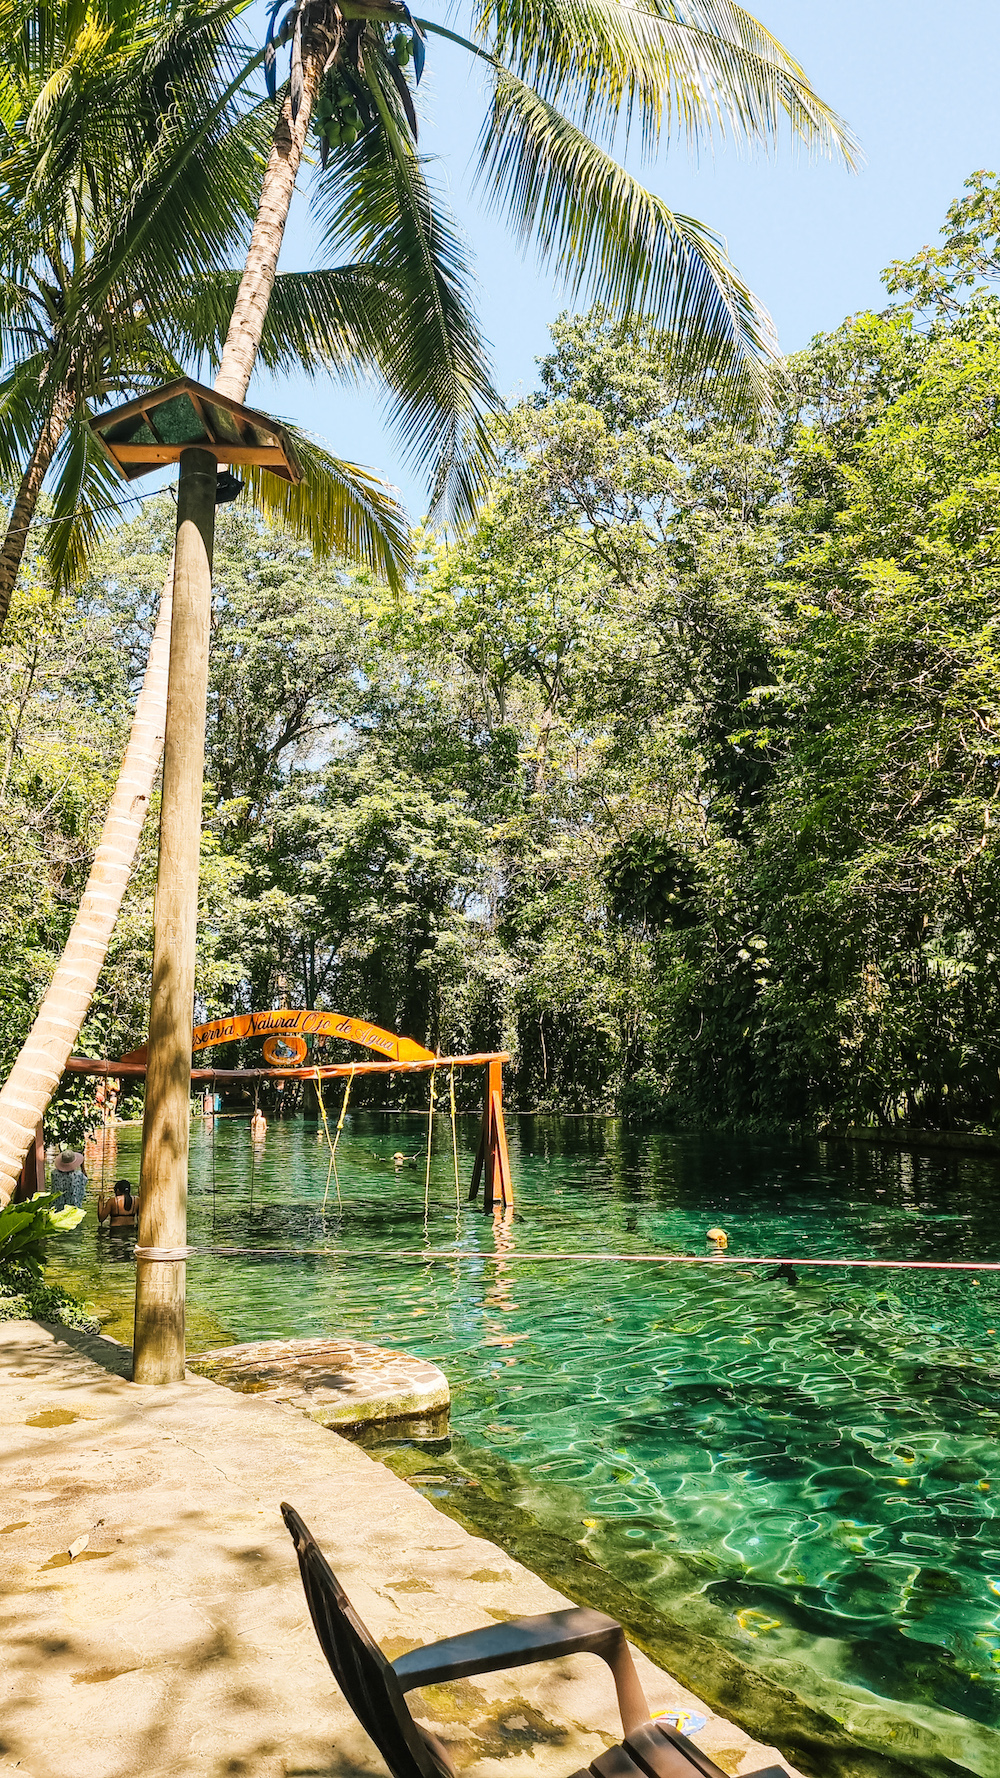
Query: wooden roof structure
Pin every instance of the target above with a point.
(154, 429)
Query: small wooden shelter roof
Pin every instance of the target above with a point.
(154, 429)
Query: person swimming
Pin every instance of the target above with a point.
(718, 1242)
(786, 1272)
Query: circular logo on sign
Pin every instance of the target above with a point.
(280, 1051)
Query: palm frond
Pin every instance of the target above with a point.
(338, 508)
(601, 231)
(317, 322)
(10, 103)
(86, 499)
(702, 67)
(377, 206)
(23, 410)
(181, 177)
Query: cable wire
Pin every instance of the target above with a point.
(93, 511)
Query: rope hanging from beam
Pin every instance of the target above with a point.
(454, 1142)
(334, 1140)
(430, 1137)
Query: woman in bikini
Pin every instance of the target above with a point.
(119, 1206)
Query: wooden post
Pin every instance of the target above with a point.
(158, 1353)
(492, 1159)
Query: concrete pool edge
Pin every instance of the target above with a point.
(183, 1622)
(905, 1136)
(757, 1701)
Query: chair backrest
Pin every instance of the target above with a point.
(360, 1668)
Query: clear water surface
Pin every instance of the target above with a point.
(809, 1474)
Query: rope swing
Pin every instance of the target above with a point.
(333, 1140)
(430, 1136)
(104, 1147)
(454, 1140)
(253, 1145)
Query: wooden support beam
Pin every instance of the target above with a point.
(477, 1171)
(158, 1346)
(492, 1157)
(502, 1156)
(270, 456)
(329, 1071)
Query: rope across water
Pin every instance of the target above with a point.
(441, 1256)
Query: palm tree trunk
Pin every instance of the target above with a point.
(250, 309)
(36, 1073)
(23, 511)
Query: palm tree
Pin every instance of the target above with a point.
(564, 77)
(109, 115)
(84, 188)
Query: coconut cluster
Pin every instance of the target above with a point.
(341, 113)
(336, 116)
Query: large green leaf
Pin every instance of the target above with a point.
(25, 1229)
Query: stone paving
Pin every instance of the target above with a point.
(178, 1641)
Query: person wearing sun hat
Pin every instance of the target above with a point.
(69, 1181)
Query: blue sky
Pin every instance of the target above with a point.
(916, 81)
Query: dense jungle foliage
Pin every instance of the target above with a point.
(678, 776)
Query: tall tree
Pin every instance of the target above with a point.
(110, 119)
(125, 164)
(562, 80)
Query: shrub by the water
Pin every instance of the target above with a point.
(24, 1295)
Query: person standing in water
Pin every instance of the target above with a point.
(69, 1181)
(118, 1207)
(258, 1125)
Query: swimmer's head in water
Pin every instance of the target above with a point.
(717, 1238)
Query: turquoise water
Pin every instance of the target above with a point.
(808, 1474)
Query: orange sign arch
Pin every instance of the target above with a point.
(286, 1022)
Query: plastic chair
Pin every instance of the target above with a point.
(375, 1687)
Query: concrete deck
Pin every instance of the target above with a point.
(178, 1641)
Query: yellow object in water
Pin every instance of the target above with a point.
(718, 1237)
